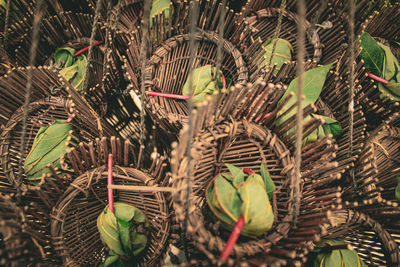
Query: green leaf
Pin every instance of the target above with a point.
(227, 197)
(139, 242)
(372, 54)
(110, 260)
(214, 206)
(64, 57)
(398, 189)
(333, 259)
(269, 183)
(237, 174)
(107, 226)
(48, 146)
(124, 233)
(158, 7)
(124, 211)
(282, 55)
(313, 82)
(331, 126)
(256, 209)
(203, 83)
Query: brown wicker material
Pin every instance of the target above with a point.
(217, 140)
(131, 14)
(41, 113)
(172, 57)
(333, 102)
(376, 108)
(16, 248)
(264, 24)
(74, 231)
(378, 180)
(21, 237)
(364, 9)
(372, 242)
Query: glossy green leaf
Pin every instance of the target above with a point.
(282, 55)
(64, 57)
(269, 183)
(237, 174)
(333, 259)
(118, 232)
(214, 206)
(256, 209)
(227, 197)
(372, 54)
(139, 242)
(331, 126)
(110, 260)
(248, 198)
(398, 189)
(124, 234)
(313, 82)
(203, 83)
(48, 146)
(158, 7)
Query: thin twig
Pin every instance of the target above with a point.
(301, 6)
(35, 41)
(277, 31)
(220, 41)
(143, 60)
(93, 34)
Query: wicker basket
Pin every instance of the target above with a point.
(19, 246)
(376, 108)
(377, 181)
(372, 242)
(74, 231)
(218, 140)
(172, 56)
(264, 24)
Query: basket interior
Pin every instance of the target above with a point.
(171, 71)
(78, 232)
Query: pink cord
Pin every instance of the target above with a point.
(152, 93)
(248, 171)
(110, 182)
(232, 239)
(265, 116)
(376, 78)
(223, 82)
(86, 48)
(69, 119)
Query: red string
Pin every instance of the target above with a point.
(265, 116)
(223, 82)
(86, 48)
(376, 78)
(174, 96)
(248, 171)
(232, 239)
(69, 119)
(110, 182)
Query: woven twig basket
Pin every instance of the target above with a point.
(377, 105)
(218, 140)
(167, 71)
(372, 242)
(41, 113)
(377, 181)
(264, 24)
(74, 231)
